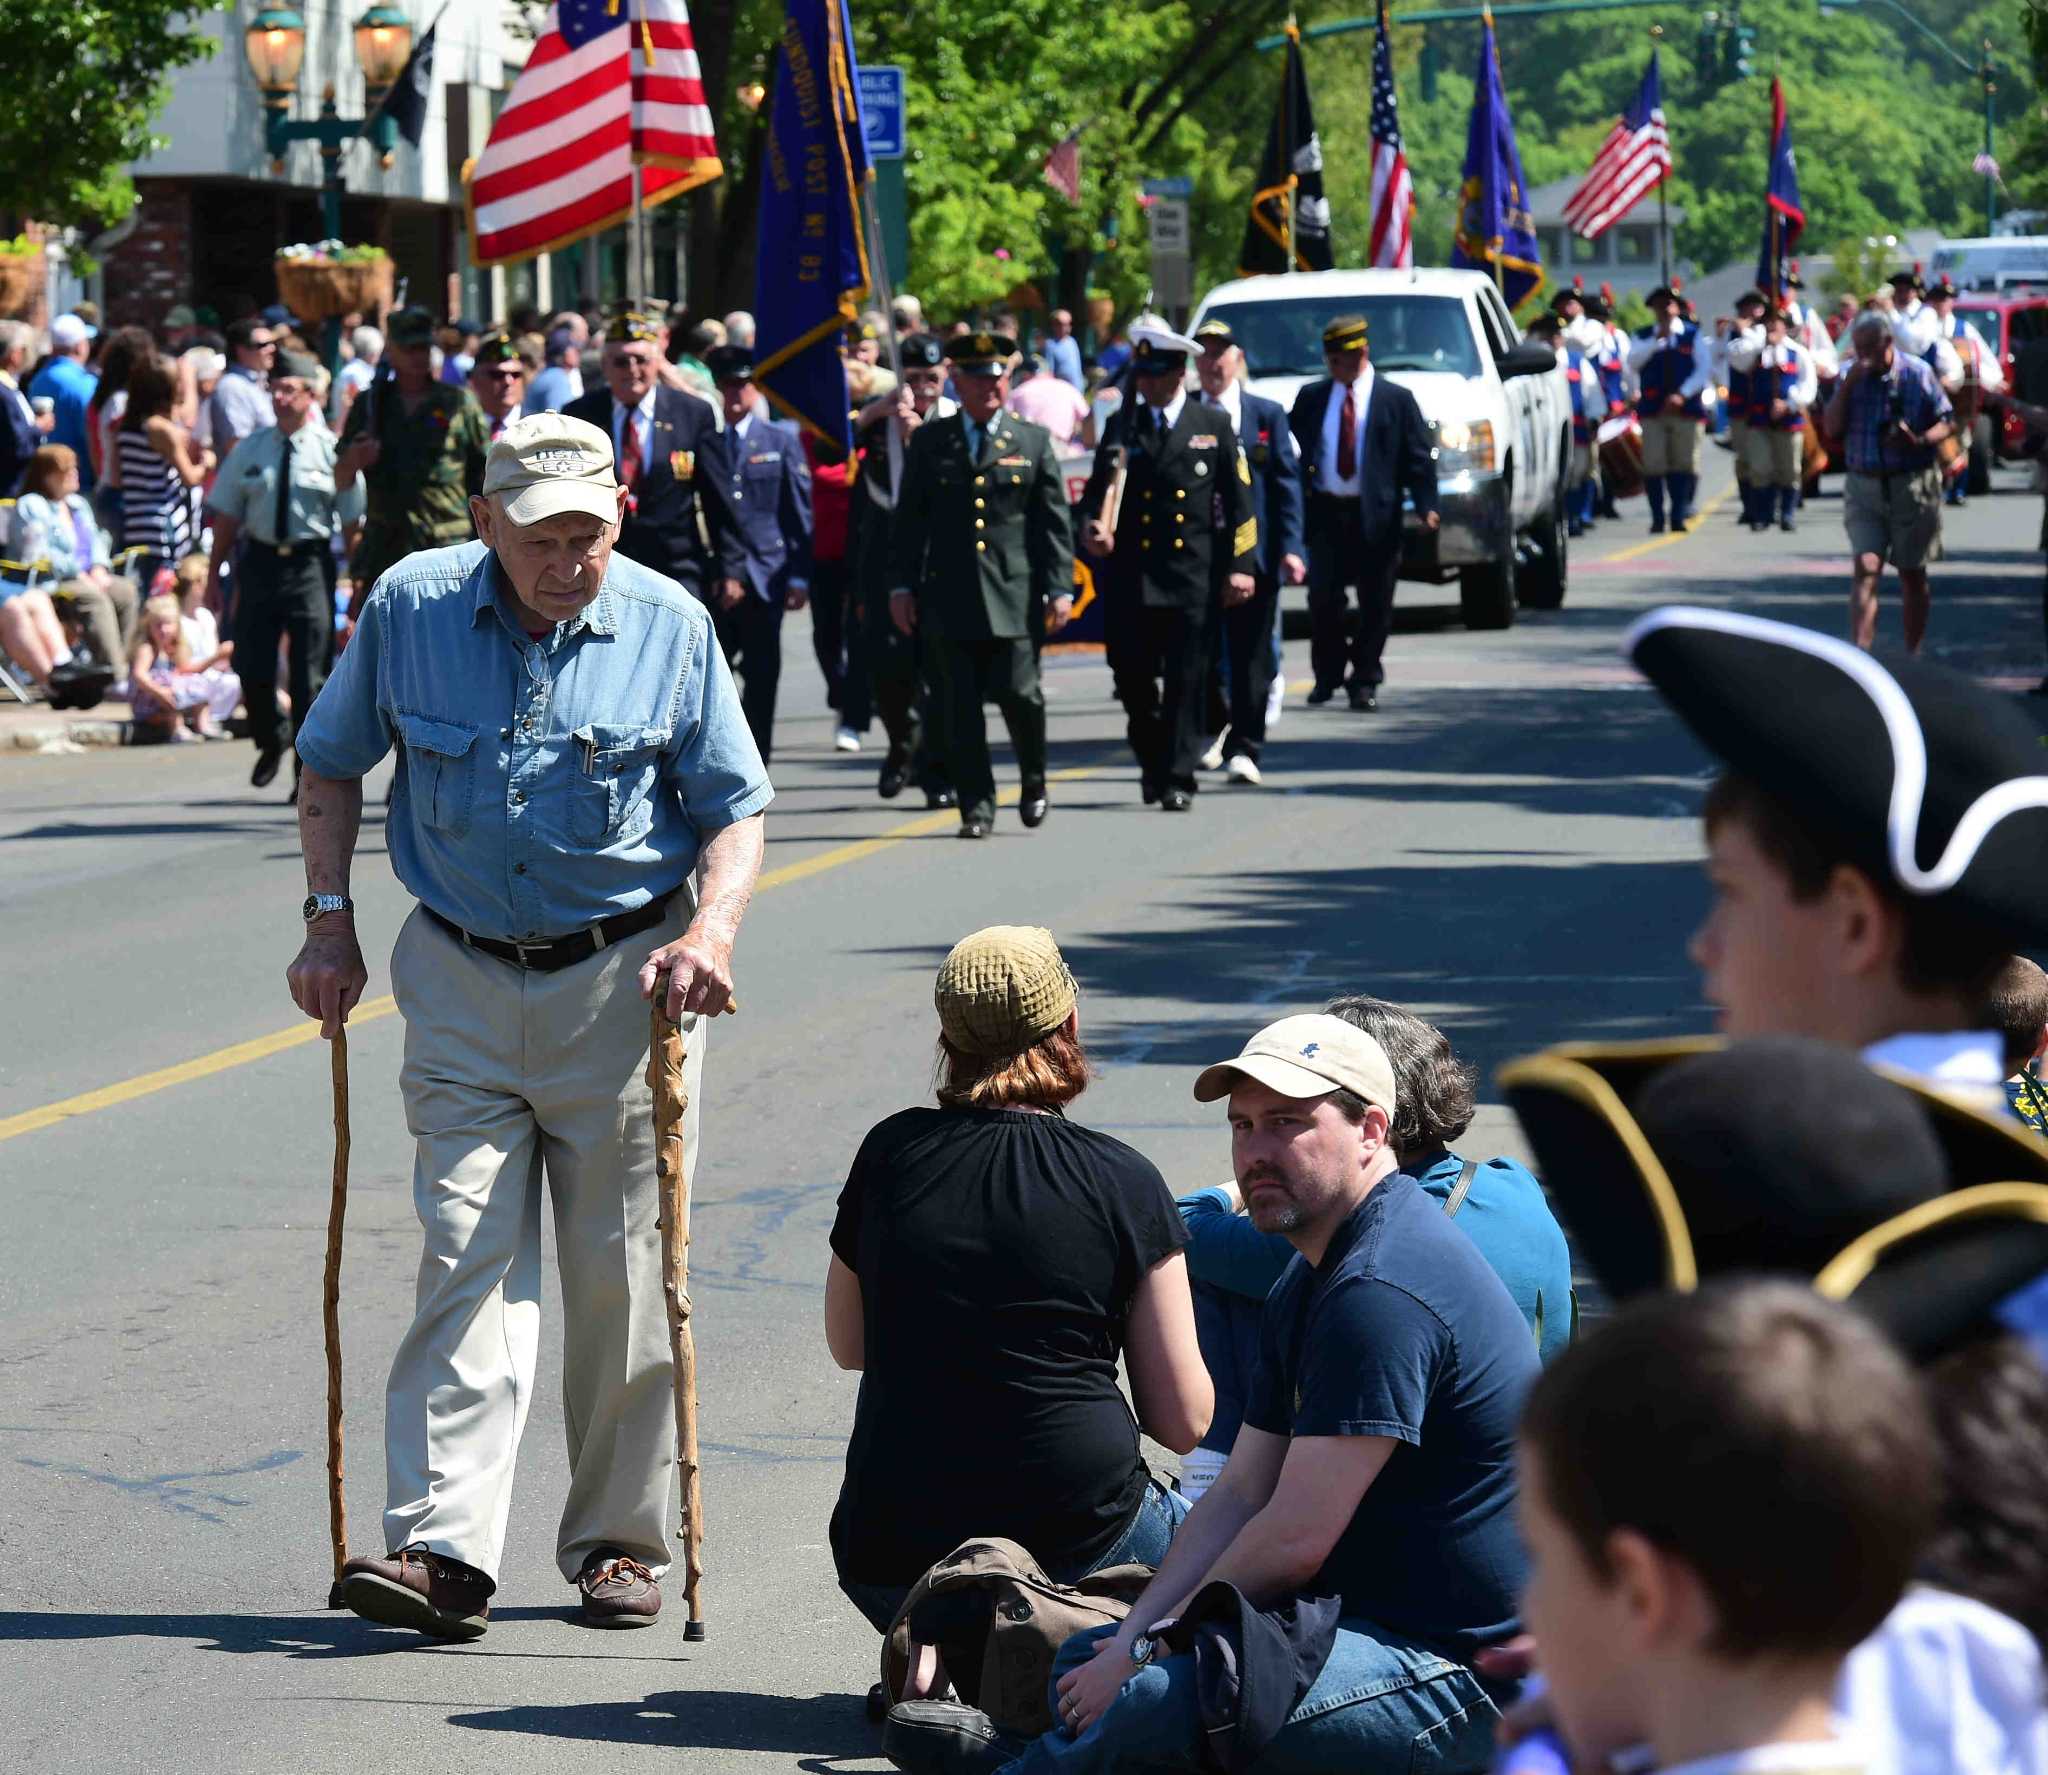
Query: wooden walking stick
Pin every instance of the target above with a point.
(330, 1312)
(671, 1104)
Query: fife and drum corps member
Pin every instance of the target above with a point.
(572, 753)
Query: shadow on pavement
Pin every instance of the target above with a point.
(829, 1727)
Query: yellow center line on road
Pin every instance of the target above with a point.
(1635, 551)
(263, 1046)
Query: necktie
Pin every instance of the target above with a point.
(973, 438)
(282, 523)
(631, 462)
(1347, 437)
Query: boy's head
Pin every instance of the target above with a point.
(1731, 1482)
(2018, 1010)
(1802, 940)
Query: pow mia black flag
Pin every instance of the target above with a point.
(406, 103)
(1289, 208)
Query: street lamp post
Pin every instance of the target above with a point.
(276, 46)
(1982, 69)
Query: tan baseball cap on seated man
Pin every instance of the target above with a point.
(547, 464)
(1306, 1056)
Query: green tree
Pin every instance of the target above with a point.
(86, 80)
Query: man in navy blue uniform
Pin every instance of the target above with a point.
(766, 483)
(1672, 373)
(1363, 445)
(659, 437)
(1247, 630)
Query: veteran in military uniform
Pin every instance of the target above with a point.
(1170, 505)
(982, 564)
(418, 447)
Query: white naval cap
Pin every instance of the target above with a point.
(1155, 345)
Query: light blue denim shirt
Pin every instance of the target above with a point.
(542, 785)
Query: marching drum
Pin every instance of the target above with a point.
(1620, 447)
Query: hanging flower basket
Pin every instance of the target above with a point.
(322, 288)
(21, 275)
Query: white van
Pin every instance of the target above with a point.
(1992, 264)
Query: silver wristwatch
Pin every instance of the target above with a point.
(316, 904)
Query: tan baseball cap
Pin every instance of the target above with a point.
(1003, 989)
(546, 464)
(1306, 1056)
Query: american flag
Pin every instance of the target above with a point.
(612, 89)
(1063, 168)
(1393, 191)
(1635, 159)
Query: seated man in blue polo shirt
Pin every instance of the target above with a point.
(1496, 1203)
(1375, 1464)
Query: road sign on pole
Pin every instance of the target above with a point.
(1168, 219)
(881, 103)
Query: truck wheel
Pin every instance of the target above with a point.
(1542, 583)
(1977, 477)
(1486, 593)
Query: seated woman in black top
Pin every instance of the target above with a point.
(990, 1262)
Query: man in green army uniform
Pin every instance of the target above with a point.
(982, 565)
(418, 446)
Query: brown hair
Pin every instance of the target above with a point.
(1435, 1093)
(128, 347)
(1049, 1074)
(152, 390)
(1773, 1441)
(47, 469)
(2018, 1009)
(1942, 950)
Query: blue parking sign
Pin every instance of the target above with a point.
(881, 103)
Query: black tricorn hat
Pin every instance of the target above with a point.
(1675, 1161)
(1934, 785)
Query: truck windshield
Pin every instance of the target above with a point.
(1283, 335)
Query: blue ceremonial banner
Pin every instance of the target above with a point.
(1784, 215)
(811, 273)
(1495, 233)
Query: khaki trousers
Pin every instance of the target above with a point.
(509, 1077)
(1671, 444)
(1774, 456)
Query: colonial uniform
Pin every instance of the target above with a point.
(902, 696)
(1780, 387)
(1185, 521)
(1671, 364)
(981, 545)
(417, 491)
(281, 495)
(553, 796)
(1609, 355)
(1588, 408)
(1733, 358)
(1981, 374)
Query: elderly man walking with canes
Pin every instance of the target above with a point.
(578, 811)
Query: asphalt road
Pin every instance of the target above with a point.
(1510, 847)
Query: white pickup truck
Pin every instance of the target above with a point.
(1499, 412)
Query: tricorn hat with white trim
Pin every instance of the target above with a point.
(1933, 784)
(1673, 1162)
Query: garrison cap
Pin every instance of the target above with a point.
(921, 351)
(981, 353)
(411, 326)
(1933, 785)
(1215, 331)
(730, 363)
(1345, 333)
(300, 365)
(498, 347)
(632, 326)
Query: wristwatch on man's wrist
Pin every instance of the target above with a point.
(316, 904)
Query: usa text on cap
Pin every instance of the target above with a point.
(548, 463)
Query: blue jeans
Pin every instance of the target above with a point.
(1144, 1542)
(1382, 1703)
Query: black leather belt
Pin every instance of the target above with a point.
(284, 551)
(560, 952)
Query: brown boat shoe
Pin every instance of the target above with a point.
(617, 1591)
(437, 1596)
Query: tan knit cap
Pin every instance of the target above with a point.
(1003, 989)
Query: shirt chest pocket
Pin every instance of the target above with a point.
(440, 766)
(620, 769)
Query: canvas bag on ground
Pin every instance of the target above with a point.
(998, 1621)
